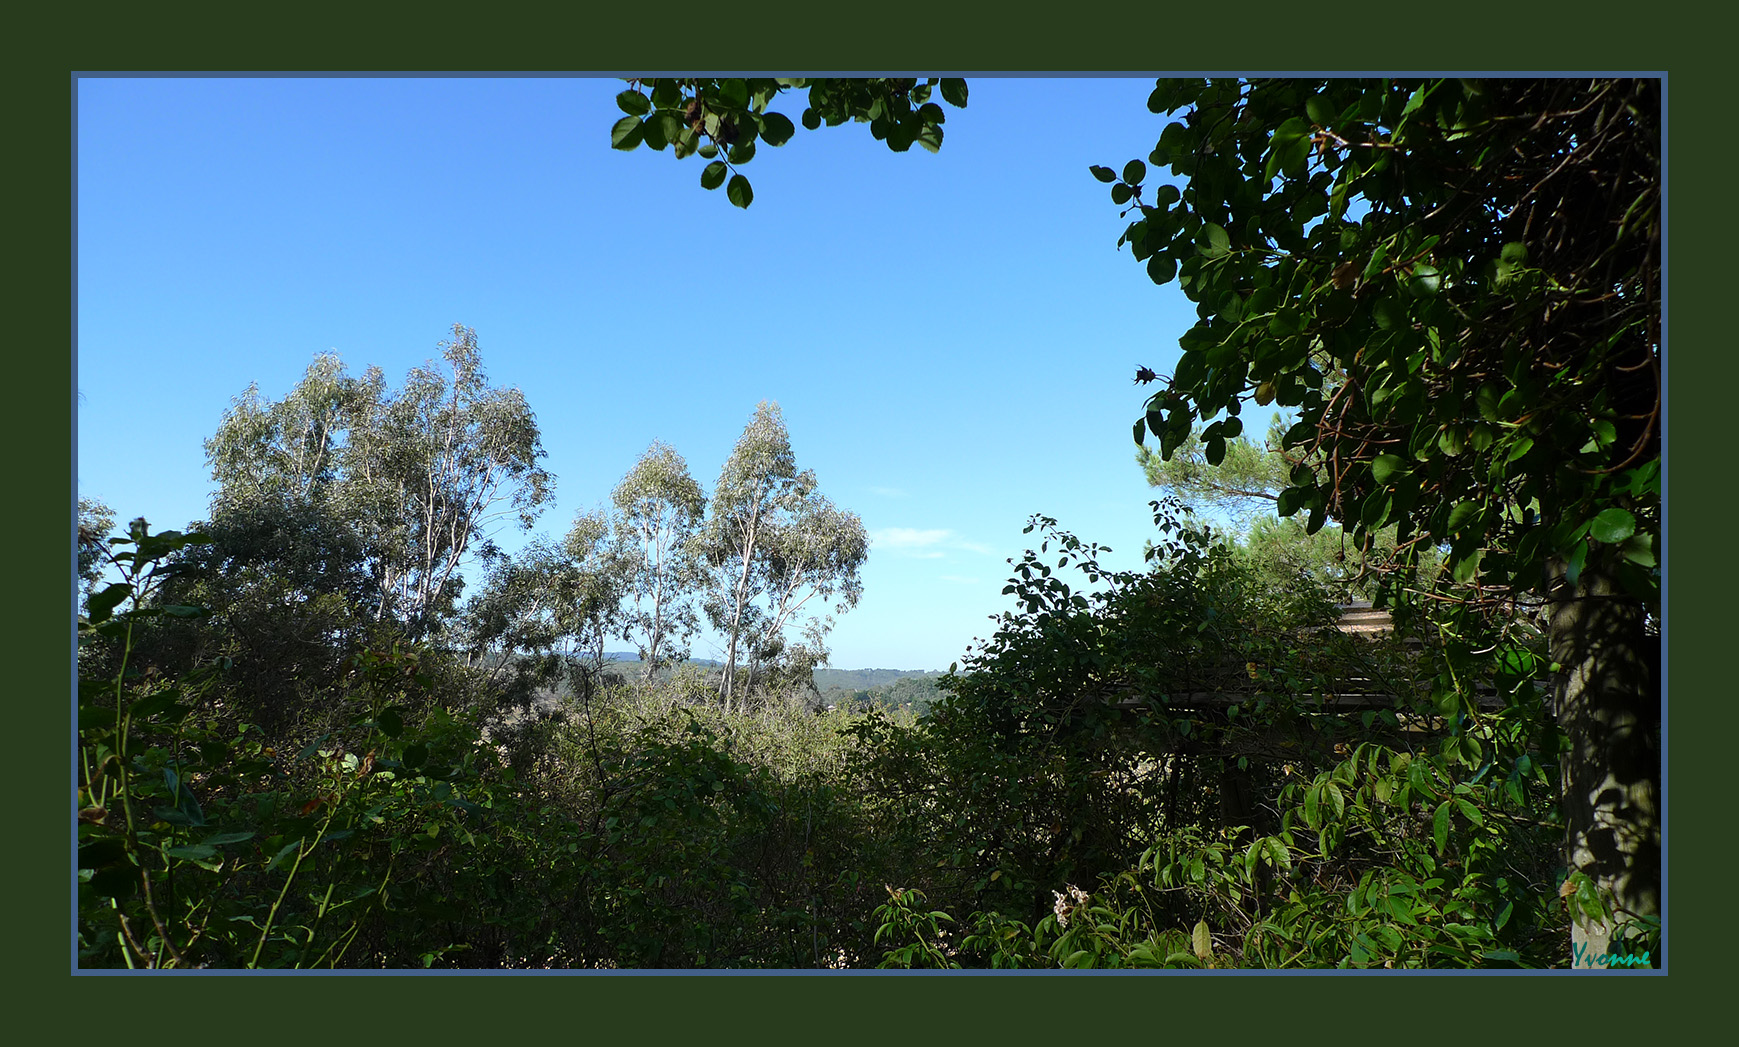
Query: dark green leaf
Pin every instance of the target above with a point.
(222, 838)
(187, 815)
(1376, 510)
(627, 133)
(1134, 171)
(1638, 549)
(1289, 147)
(733, 93)
(954, 91)
(633, 103)
(1104, 174)
(155, 705)
(1613, 526)
(1425, 282)
(103, 603)
(776, 129)
(666, 92)
(287, 850)
(101, 852)
(661, 129)
(713, 175)
(739, 191)
(1212, 241)
(119, 880)
(1120, 194)
(1161, 268)
(1465, 568)
(192, 852)
(685, 143)
(1386, 467)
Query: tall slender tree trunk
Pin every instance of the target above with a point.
(1608, 704)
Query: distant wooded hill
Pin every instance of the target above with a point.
(913, 690)
(890, 688)
(628, 664)
(864, 679)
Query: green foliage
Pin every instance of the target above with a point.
(639, 828)
(1247, 485)
(200, 844)
(659, 510)
(772, 544)
(913, 692)
(1455, 283)
(1244, 485)
(914, 937)
(95, 521)
(347, 487)
(1172, 743)
(1457, 286)
(547, 612)
(721, 120)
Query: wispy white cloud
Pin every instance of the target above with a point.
(908, 537)
(923, 544)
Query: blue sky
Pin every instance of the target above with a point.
(951, 336)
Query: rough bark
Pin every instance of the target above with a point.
(1608, 704)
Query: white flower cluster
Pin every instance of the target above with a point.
(1067, 902)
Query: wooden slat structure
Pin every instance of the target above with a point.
(1357, 618)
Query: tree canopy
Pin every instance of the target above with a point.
(659, 509)
(1456, 283)
(721, 120)
(401, 485)
(772, 544)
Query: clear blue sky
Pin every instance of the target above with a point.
(952, 336)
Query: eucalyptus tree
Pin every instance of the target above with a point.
(546, 611)
(96, 521)
(659, 509)
(407, 481)
(771, 545)
(601, 576)
(818, 551)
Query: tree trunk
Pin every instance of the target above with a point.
(1608, 704)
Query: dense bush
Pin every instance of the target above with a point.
(1150, 770)
(1090, 802)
